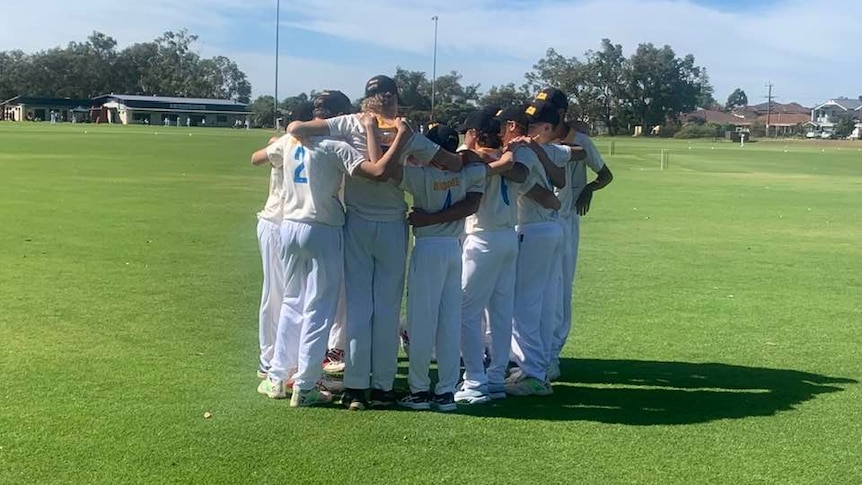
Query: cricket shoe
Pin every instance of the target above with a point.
(262, 372)
(444, 402)
(472, 396)
(275, 388)
(354, 399)
(331, 385)
(417, 401)
(333, 363)
(497, 391)
(381, 399)
(311, 397)
(528, 386)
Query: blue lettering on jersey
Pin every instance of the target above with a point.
(299, 155)
(448, 202)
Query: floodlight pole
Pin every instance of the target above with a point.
(275, 94)
(434, 69)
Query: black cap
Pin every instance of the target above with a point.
(540, 112)
(444, 136)
(334, 102)
(513, 113)
(554, 97)
(481, 120)
(303, 111)
(380, 84)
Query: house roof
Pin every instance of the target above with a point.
(794, 108)
(713, 116)
(846, 103)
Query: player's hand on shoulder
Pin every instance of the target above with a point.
(272, 140)
(469, 156)
(368, 120)
(402, 125)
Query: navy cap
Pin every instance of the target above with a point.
(541, 112)
(444, 136)
(513, 113)
(554, 97)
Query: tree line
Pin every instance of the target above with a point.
(608, 89)
(166, 66)
(651, 87)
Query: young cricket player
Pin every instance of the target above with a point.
(313, 245)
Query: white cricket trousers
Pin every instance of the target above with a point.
(313, 275)
(434, 312)
(272, 293)
(571, 238)
(337, 335)
(487, 284)
(538, 278)
(375, 259)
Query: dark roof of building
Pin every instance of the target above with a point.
(48, 102)
(174, 103)
(713, 116)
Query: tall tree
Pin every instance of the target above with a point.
(505, 95)
(737, 99)
(661, 85)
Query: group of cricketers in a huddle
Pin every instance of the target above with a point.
(495, 205)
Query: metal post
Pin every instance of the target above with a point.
(434, 69)
(275, 94)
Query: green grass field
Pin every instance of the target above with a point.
(718, 307)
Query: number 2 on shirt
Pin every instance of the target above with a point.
(504, 190)
(299, 155)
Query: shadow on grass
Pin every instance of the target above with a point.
(646, 393)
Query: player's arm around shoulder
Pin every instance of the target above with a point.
(273, 153)
(543, 197)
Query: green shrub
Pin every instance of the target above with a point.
(692, 130)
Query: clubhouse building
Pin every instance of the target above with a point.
(127, 109)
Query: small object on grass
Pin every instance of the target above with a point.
(208, 415)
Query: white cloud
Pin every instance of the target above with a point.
(805, 49)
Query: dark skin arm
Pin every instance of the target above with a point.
(459, 210)
(603, 179)
(544, 197)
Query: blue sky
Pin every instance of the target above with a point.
(801, 47)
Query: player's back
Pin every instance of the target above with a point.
(313, 174)
(435, 190)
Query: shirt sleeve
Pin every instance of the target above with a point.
(476, 174)
(349, 156)
(275, 151)
(559, 154)
(412, 178)
(594, 158)
(342, 126)
(421, 149)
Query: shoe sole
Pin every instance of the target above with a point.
(446, 408)
(262, 375)
(356, 406)
(333, 370)
(416, 407)
(474, 400)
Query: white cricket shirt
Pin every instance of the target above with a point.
(376, 201)
(530, 211)
(272, 210)
(313, 175)
(434, 190)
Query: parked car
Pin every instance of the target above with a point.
(827, 135)
(811, 134)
